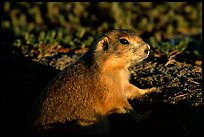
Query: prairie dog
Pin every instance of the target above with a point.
(78, 99)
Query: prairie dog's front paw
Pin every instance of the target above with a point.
(147, 91)
(155, 89)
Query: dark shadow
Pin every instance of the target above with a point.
(101, 127)
(22, 80)
(163, 119)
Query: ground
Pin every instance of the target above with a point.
(175, 109)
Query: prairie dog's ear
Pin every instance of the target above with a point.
(103, 43)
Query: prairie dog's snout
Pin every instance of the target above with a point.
(143, 48)
(141, 51)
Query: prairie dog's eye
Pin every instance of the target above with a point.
(124, 41)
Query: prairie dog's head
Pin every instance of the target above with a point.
(120, 47)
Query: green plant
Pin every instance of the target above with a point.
(169, 48)
(74, 25)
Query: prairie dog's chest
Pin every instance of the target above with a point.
(123, 77)
(117, 79)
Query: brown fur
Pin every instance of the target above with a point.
(95, 86)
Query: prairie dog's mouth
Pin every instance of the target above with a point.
(142, 59)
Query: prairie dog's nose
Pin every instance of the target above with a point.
(147, 50)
